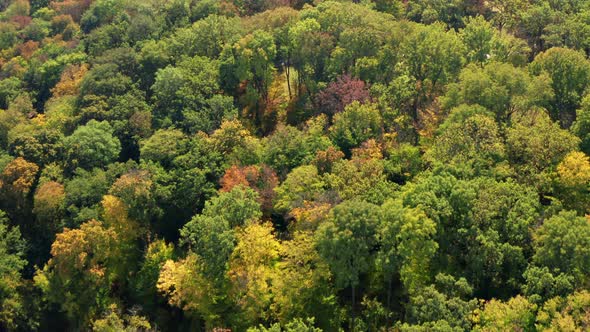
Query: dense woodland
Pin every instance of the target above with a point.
(294, 165)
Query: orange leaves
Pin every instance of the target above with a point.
(27, 48)
(74, 8)
(309, 215)
(260, 178)
(326, 158)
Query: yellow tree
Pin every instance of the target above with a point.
(77, 277)
(185, 287)
(16, 181)
(251, 268)
(574, 181)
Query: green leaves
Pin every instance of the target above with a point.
(93, 145)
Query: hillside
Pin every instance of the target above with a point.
(294, 165)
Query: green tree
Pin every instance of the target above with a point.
(442, 306)
(212, 239)
(534, 147)
(499, 87)
(250, 60)
(301, 286)
(93, 145)
(468, 140)
(561, 244)
(190, 89)
(407, 245)
(569, 71)
(358, 123)
(12, 262)
(238, 206)
(301, 185)
(346, 242)
(433, 57)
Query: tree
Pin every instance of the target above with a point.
(581, 127)
(144, 284)
(115, 321)
(477, 36)
(251, 268)
(250, 60)
(184, 286)
(12, 262)
(190, 89)
(406, 246)
(163, 146)
(541, 284)
(239, 206)
(137, 190)
(469, 139)
(213, 240)
(308, 49)
(433, 57)
(361, 177)
(574, 181)
(561, 244)
(78, 277)
(355, 125)
(289, 147)
(261, 178)
(515, 314)
(301, 185)
(499, 87)
(301, 285)
(236, 143)
(342, 92)
(569, 72)
(444, 305)
(49, 204)
(534, 147)
(93, 145)
(295, 325)
(206, 37)
(16, 182)
(346, 242)
(565, 313)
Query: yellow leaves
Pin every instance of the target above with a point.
(367, 151)
(184, 286)
(565, 314)
(116, 217)
(133, 184)
(251, 268)
(574, 170)
(70, 81)
(310, 215)
(18, 176)
(256, 245)
(83, 249)
(170, 281)
(517, 314)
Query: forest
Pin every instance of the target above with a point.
(294, 165)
